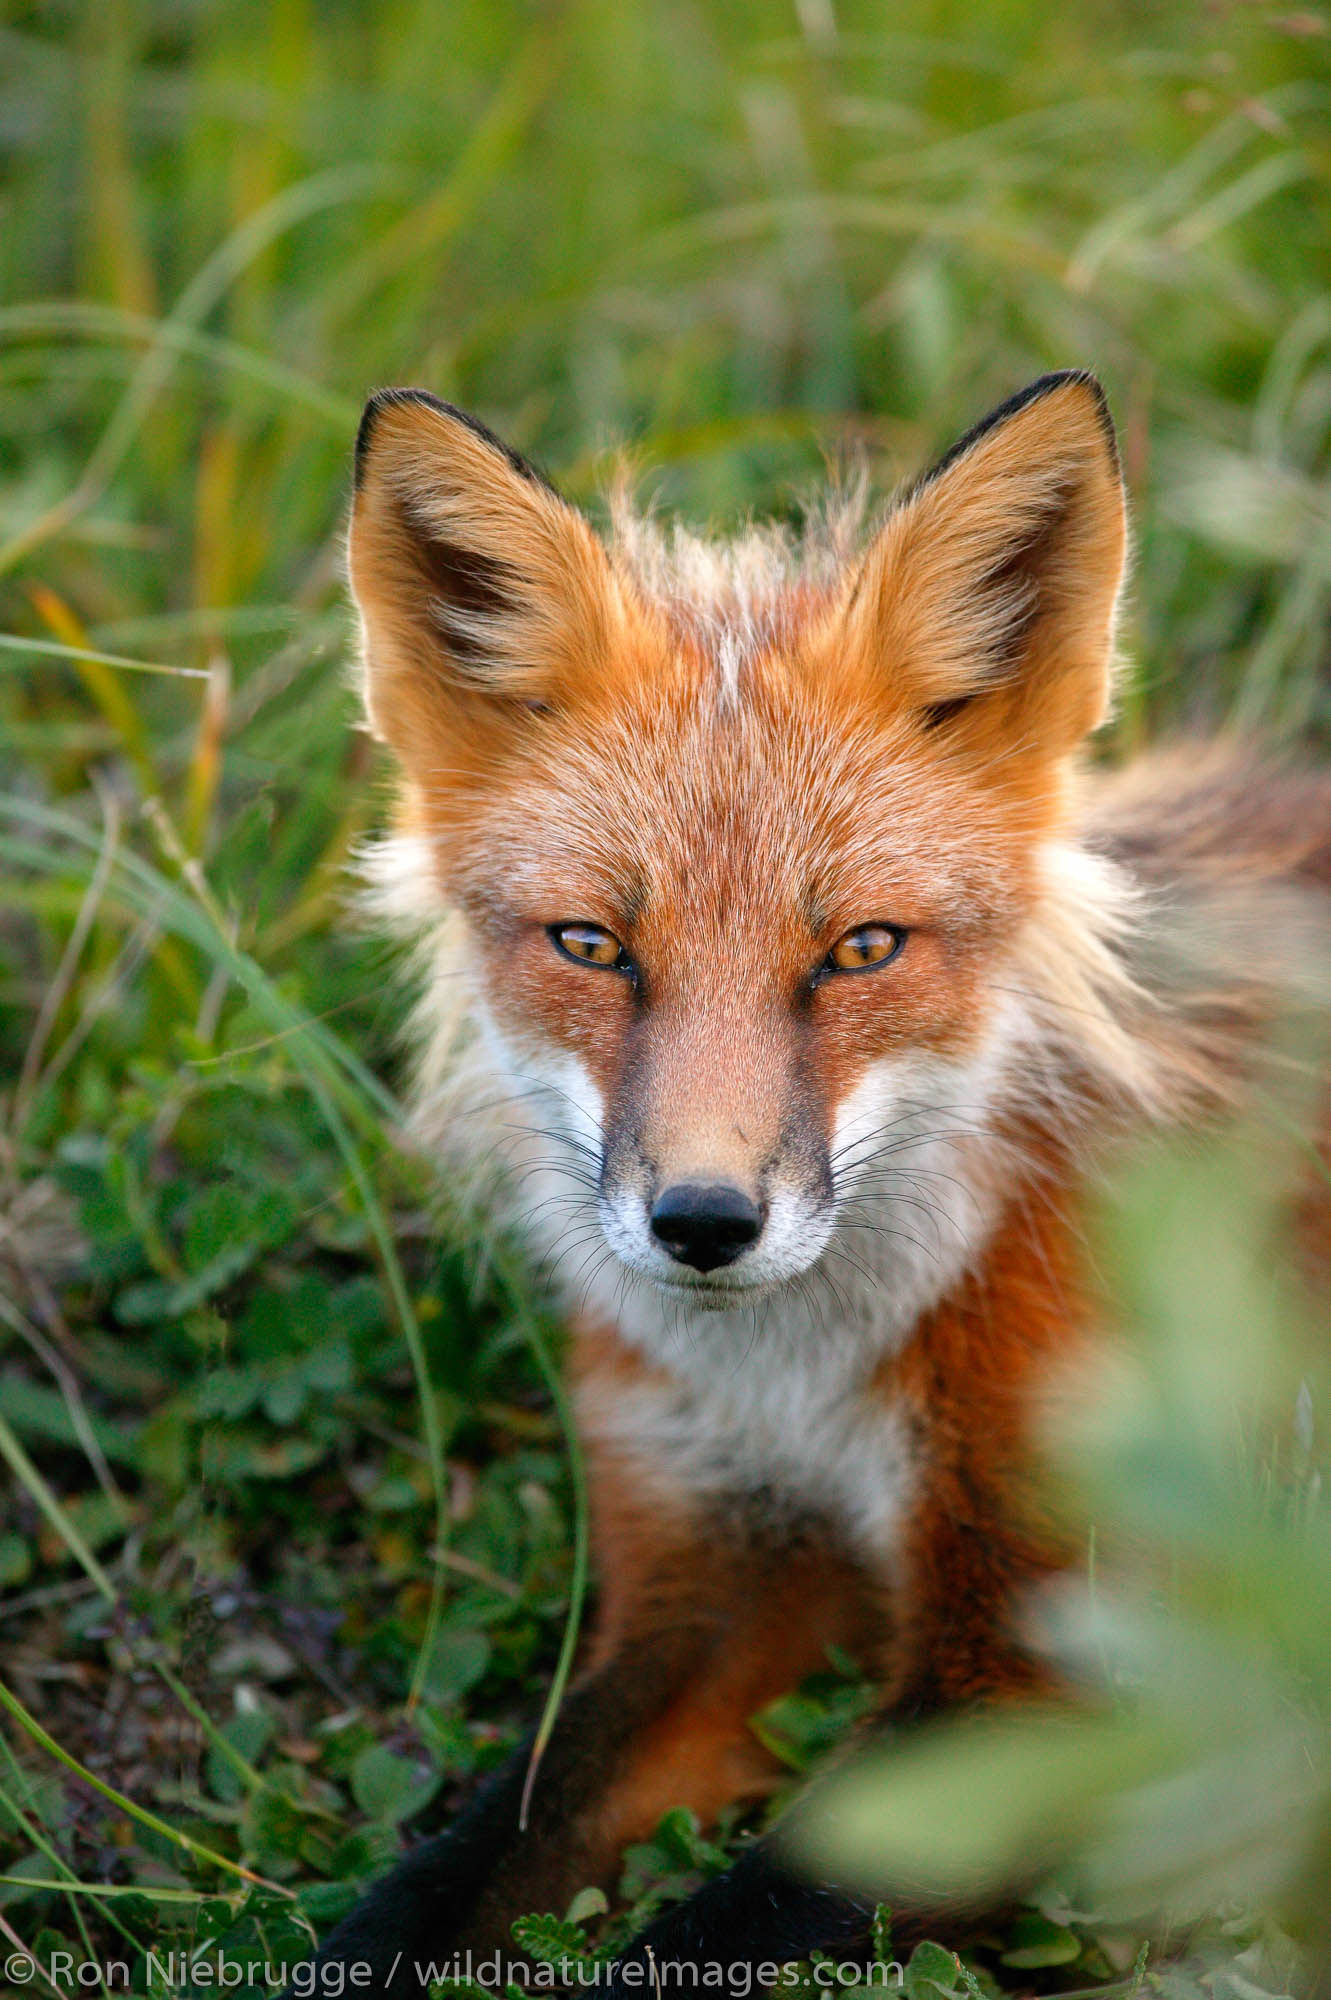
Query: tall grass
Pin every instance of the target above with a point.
(296, 1433)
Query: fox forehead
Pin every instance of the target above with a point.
(735, 805)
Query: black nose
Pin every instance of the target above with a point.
(706, 1226)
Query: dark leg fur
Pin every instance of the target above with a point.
(448, 1895)
(466, 1882)
(758, 1914)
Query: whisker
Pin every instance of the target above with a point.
(839, 1250)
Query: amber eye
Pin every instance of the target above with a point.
(590, 945)
(860, 951)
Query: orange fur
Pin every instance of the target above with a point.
(728, 757)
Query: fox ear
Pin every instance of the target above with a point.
(987, 601)
(478, 587)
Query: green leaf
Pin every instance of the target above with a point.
(249, 1731)
(393, 1494)
(212, 1919)
(39, 1796)
(932, 1972)
(800, 1728)
(366, 1852)
(41, 1413)
(1036, 1942)
(966, 1805)
(15, 1561)
(552, 1940)
(326, 1903)
(161, 1298)
(458, 1661)
(389, 1787)
(247, 1454)
(273, 1829)
(673, 1859)
(590, 1902)
(225, 1216)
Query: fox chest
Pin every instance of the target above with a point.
(764, 1437)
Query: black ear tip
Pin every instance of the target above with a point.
(1034, 392)
(388, 399)
(1082, 378)
(1047, 385)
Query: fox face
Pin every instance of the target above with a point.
(757, 846)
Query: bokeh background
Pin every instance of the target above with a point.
(288, 1522)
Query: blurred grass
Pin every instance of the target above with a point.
(737, 237)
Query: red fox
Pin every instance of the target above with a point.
(785, 963)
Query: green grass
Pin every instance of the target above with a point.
(287, 1545)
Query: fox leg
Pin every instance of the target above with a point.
(681, 1737)
(695, 1640)
(954, 1646)
(426, 1908)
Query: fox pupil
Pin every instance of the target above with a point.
(589, 943)
(873, 945)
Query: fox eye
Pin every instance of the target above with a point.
(590, 945)
(862, 950)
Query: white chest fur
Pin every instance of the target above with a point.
(771, 1398)
(770, 1430)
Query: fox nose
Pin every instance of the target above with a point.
(706, 1226)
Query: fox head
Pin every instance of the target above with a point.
(754, 844)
